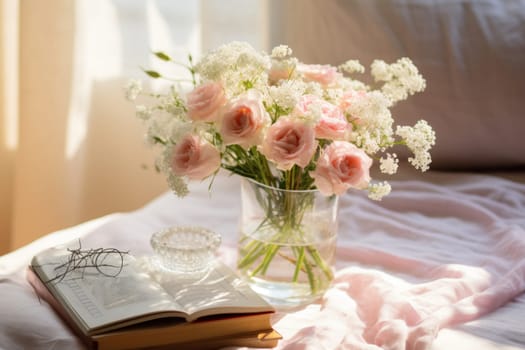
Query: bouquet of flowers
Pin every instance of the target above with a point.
(282, 123)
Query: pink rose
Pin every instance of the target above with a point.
(340, 166)
(289, 142)
(204, 101)
(332, 124)
(324, 74)
(304, 103)
(244, 119)
(195, 158)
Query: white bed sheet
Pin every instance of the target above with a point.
(429, 205)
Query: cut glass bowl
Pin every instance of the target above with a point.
(185, 249)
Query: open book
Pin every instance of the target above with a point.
(147, 308)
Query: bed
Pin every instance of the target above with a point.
(438, 264)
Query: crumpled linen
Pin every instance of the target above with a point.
(426, 258)
(431, 255)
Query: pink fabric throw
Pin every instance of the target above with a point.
(425, 258)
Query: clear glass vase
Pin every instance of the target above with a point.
(287, 242)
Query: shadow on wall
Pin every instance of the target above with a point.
(119, 172)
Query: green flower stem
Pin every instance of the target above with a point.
(320, 262)
(255, 250)
(264, 169)
(298, 263)
(270, 254)
(301, 262)
(311, 277)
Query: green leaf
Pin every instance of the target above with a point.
(247, 84)
(152, 73)
(159, 140)
(162, 56)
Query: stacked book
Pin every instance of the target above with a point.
(138, 309)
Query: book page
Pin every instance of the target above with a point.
(218, 290)
(99, 300)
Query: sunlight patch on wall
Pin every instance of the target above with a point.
(96, 57)
(174, 28)
(10, 32)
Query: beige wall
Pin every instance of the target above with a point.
(46, 37)
(57, 185)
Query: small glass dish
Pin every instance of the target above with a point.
(185, 249)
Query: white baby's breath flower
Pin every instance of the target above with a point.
(419, 139)
(133, 89)
(389, 164)
(363, 139)
(380, 70)
(237, 65)
(313, 88)
(352, 66)
(143, 112)
(155, 134)
(176, 183)
(162, 128)
(281, 51)
(333, 95)
(178, 128)
(352, 84)
(401, 78)
(372, 120)
(378, 190)
(286, 94)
